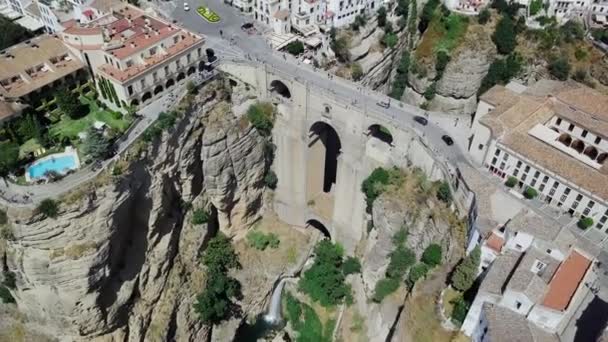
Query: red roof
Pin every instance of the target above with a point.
(495, 242)
(89, 13)
(565, 281)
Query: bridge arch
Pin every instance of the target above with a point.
(381, 133)
(324, 147)
(318, 225)
(280, 88)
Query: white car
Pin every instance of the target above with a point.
(186, 7)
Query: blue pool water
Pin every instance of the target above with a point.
(58, 164)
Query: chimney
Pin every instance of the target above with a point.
(132, 45)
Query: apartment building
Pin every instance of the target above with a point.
(30, 70)
(133, 56)
(564, 10)
(599, 13)
(551, 137)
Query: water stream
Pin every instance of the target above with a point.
(274, 308)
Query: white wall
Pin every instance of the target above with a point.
(519, 241)
(511, 299)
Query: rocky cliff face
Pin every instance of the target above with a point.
(456, 91)
(120, 262)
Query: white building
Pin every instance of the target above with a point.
(551, 137)
(599, 12)
(564, 10)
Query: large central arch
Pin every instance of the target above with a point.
(324, 147)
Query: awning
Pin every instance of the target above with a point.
(313, 42)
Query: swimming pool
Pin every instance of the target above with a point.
(60, 163)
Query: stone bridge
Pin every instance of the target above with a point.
(326, 147)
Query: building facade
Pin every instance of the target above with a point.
(551, 138)
(135, 57)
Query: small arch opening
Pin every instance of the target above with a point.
(191, 71)
(381, 133)
(578, 146)
(158, 89)
(565, 139)
(602, 157)
(320, 227)
(280, 88)
(135, 102)
(146, 96)
(170, 83)
(591, 152)
(180, 76)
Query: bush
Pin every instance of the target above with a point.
(585, 222)
(295, 48)
(261, 241)
(261, 116)
(530, 193)
(511, 181)
(381, 16)
(356, 71)
(191, 87)
(560, 68)
(430, 91)
(442, 61)
(466, 272)
(484, 16)
(374, 185)
(390, 40)
(200, 216)
(535, 6)
(580, 75)
(49, 208)
(504, 36)
(500, 72)
(383, 288)
(3, 217)
(401, 78)
(444, 193)
(324, 281)
(432, 255)
(293, 308)
(351, 266)
(271, 179)
(5, 295)
(10, 280)
(401, 259)
(417, 272)
(95, 146)
(360, 21)
(427, 15)
(166, 120)
(459, 312)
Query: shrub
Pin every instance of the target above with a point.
(200, 216)
(49, 208)
(271, 179)
(504, 36)
(5, 295)
(530, 193)
(295, 48)
(10, 280)
(374, 184)
(360, 20)
(383, 288)
(444, 193)
(356, 71)
(166, 120)
(401, 259)
(432, 255)
(351, 266)
(390, 40)
(484, 16)
(465, 273)
(417, 272)
(191, 87)
(381, 16)
(501, 71)
(261, 116)
(427, 15)
(3, 217)
(580, 75)
(442, 61)
(324, 281)
(400, 237)
(535, 6)
(585, 222)
(580, 54)
(261, 241)
(430, 91)
(459, 312)
(511, 181)
(293, 308)
(401, 78)
(560, 68)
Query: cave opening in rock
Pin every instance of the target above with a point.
(318, 226)
(324, 148)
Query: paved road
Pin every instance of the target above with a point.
(232, 42)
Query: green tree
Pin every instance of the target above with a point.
(29, 127)
(401, 78)
(430, 91)
(511, 181)
(383, 288)
(261, 241)
(220, 254)
(504, 36)
(191, 87)
(351, 266)
(484, 16)
(466, 272)
(360, 21)
(442, 61)
(12, 33)
(374, 185)
(535, 6)
(49, 208)
(9, 158)
(95, 146)
(585, 222)
(356, 71)
(444, 193)
(69, 104)
(459, 312)
(530, 193)
(200, 216)
(401, 259)
(432, 255)
(390, 40)
(339, 45)
(428, 12)
(381, 16)
(295, 48)
(501, 71)
(261, 116)
(560, 68)
(271, 180)
(403, 7)
(416, 273)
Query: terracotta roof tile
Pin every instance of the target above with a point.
(495, 242)
(566, 280)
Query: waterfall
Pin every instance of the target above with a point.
(274, 308)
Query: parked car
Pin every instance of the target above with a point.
(383, 104)
(447, 140)
(186, 6)
(421, 120)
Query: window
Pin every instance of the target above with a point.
(494, 161)
(519, 163)
(188, 58)
(166, 70)
(533, 182)
(502, 165)
(505, 157)
(130, 90)
(555, 184)
(517, 305)
(497, 152)
(548, 251)
(541, 188)
(584, 134)
(523, 177)
(558, 121)
(536, 174)
(129, 63)
(480, 146)
(155, 76)
(545, 179)
(571, 127)
(527, 168)
(563, 198)
(567, 191)
(518, 246)
(586, 211)
(539, 265)
(142, 83)
(590, 204)
(598, 140)
(579, 197)
(515, 172)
